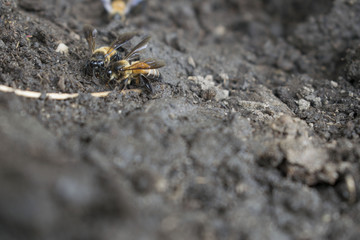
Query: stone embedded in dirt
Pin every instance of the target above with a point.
(303, 158)
(303, 104)
(315, 101)
(334, 84)
(62, 48)
(191, 61)
(207, 84)
(2, 44)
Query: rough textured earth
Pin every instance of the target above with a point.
(253, 132)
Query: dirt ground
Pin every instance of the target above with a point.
(253, 132)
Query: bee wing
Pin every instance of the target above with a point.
(130, 4)
(138, 48)
(90, 35)
(121, 40)
(107, 5)
(146, 64)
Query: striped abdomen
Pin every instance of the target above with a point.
(145, 69)
(153, 73)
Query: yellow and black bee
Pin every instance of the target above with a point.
(118, 9)
(101, 57)
(131, 69)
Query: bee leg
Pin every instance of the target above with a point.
(124, 85)
(109, 85)
(108, 82)
(147, 83)
(86, 68)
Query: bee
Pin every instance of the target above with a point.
(101, 57)
(118, 9)
(131, 69)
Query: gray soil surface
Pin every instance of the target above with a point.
(252, 133)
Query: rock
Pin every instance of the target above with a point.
(303, 104)
(62, 48)
(208, 85)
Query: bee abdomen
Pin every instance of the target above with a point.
(153, 73)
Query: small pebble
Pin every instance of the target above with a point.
(62, 48)
(225, 79)
(303, 104)
(191, 62)
(220, 30)
(334, 84)
(2, 44)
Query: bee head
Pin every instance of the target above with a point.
(96, 64)
(117, 17)
(101, 64)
